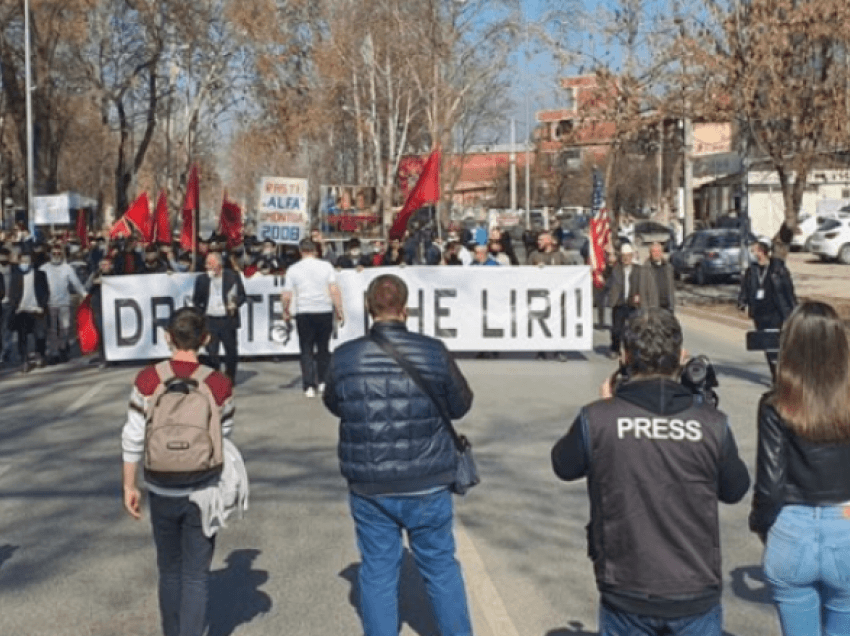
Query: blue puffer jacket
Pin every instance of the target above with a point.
(391, 437)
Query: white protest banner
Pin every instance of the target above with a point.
(282, 214)
(468, 308)
(52, 210)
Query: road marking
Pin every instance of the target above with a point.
(481, 585)
(81, 401)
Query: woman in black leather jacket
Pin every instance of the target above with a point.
(801, 502)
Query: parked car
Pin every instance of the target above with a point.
(808, 224)
(831, 241)
(708, 255)
(646, 232)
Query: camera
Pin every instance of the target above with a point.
(697, 375)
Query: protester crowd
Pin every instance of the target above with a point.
(65, 267)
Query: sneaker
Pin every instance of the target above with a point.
(322, 387)
(310, 392)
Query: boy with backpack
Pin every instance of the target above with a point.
(178, 415)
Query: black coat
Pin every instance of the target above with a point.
(16, 288)
(391, 436)
(778, 283)
(201, 295)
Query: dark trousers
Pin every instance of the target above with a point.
(770, 322)
(27, 323)
(222, 332)
(314, 335)
(183, 556)
(619, 315)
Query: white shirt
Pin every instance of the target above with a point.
(59, 277)
(215, 304)
(627, 274)
(464, 256)
(29, 302)
(309, 280)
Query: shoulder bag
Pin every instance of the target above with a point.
(466, 473)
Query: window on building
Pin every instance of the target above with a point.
(570, 159)
(569, 98)
(563, 129)
(845, 193)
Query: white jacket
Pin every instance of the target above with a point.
(218, 501)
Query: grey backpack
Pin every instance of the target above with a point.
(183, 445)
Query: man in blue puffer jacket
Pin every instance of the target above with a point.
(399, 460)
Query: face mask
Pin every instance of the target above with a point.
(4, 263)
(55, 259)
(267, 253)
(24, 267)
(355, 253)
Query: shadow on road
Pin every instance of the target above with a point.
(761, 379)
(6, 552)
(749, 584)
(234, 594)
(574, 628)
(414, 606)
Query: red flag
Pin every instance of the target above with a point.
(82, 230)
(190, 204)
(230, 222)
(162, 223)
(120, 228)
(139, 214)
(86, 331)
(426, 190)
(600, 237)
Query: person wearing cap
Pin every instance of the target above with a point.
(620, 289)
(767, 293)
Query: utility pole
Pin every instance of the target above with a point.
(513, 165)
(528, 140)
(689, 176)
(30, 149)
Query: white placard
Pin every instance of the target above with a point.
(52, 210)
(468, 308)
(282, 213)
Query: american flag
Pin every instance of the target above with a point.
(600, 231)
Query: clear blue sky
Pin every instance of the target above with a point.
(536, 78)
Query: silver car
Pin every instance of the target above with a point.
(709, 255)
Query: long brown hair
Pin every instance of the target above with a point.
(813, 377)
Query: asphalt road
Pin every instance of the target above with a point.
(72, 563)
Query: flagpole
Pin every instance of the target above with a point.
(195, 228)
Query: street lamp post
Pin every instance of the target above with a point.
(30, 150)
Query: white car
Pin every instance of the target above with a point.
(832, 240)
(808, 224)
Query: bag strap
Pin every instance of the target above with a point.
(460, 442)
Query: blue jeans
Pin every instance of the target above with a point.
(613, 622)
(807, 562)
(427, 519)
(183, 556)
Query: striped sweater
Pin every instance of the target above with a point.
(133, 433)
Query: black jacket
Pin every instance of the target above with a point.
(657, 460)
(792, 470)
(201, 294)
(778, 285)
(391, 436)
(16, 288)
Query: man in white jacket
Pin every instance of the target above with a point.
(60, 277)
